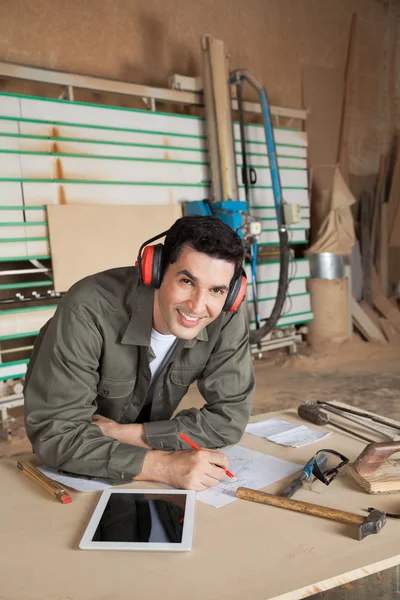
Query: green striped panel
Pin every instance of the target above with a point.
(38, 207)
(24, 258)
(24, 239)
(143, 145)
(26, 284)
(131, 110)
(16, 336)
(249, 284)
(23, 223)
(103, 157)
(15, 311)
(307, 312)
(130, 158)
(274, 297)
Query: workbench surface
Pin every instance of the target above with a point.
(242, 550)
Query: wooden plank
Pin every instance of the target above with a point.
(370, 312)
(379, 197)
(394, 202)
(103, 237)
(344, 125)
(389, 331)
(338, 558)
(383, 305)
(365, 245)
(189, 97)
(365, 324)
(383, 266)
(323, 96)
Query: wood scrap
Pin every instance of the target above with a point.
(390, 333)
(365, 201)
(364, 324)
(379, 198)
(394, 270)
(371, 313)
(383, 305)
(344, 124)
(394, 205)
(383, 267)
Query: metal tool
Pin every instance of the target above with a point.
(305, 474)
(364, 415)
(316, 416)
(350, 417)
(373, 523)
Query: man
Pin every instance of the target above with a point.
(112, 365)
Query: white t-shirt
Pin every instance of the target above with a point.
(162, 346)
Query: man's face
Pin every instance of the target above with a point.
(192, 294)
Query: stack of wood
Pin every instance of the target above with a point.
(377, 315)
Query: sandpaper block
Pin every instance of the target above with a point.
(372, 470)
(384, 481)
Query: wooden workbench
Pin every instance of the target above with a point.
(242, 550)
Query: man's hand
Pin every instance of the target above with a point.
(187, 469)
(124, 433)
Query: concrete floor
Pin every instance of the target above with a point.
(358, 373)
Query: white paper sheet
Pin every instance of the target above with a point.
(251, 469)
(286, 434)
(76, 483)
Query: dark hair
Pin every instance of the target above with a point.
(204, 234)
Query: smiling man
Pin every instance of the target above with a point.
(110, 368)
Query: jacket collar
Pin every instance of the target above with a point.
(138, 331)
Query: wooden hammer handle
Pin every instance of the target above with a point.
(373, 456)
(296, 505)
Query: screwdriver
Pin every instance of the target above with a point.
(305, 474)
(316, 416)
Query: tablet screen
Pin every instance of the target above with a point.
(136, 517)
(141, 519)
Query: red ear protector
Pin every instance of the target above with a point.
(149, 263)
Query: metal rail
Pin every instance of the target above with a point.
(98, 84)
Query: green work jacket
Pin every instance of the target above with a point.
(93, 356)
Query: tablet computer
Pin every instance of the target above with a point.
(140, 519)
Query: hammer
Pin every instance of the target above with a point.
(373, 523)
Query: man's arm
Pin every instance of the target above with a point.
(189, 470)
(60, 392)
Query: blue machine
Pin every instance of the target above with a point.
(229, 211)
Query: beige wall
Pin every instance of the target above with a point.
(144, 41)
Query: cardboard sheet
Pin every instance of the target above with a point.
(86, 239)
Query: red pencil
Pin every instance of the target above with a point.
(197, 447)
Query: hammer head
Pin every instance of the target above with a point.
(372, 524)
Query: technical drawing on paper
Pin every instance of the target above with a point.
(241, 469)
(251, 469)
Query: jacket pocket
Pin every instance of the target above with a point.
(186, 376)
(115, 388)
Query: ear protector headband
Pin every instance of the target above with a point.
(149, 263)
